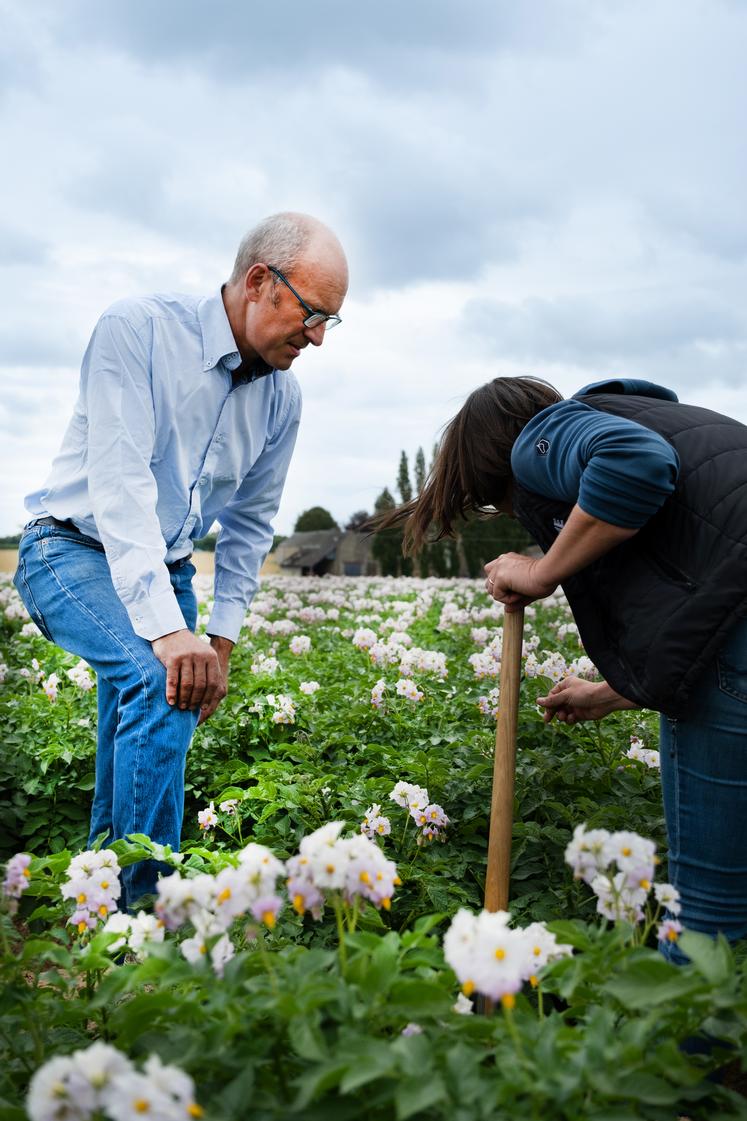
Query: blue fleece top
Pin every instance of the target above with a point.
(615, 469)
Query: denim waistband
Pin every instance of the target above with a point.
(70, 527)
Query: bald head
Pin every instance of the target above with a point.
(267, 311)
(284, 240)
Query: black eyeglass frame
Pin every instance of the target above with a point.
(314, 317)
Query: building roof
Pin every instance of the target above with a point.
(304, 550)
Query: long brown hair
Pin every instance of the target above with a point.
(472, 468)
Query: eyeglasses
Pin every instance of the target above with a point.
(313, 318)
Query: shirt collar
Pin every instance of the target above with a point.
(217, 337)
(218, 341)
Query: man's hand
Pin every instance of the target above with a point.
(515, 580)
(573, 701)
(193, 671)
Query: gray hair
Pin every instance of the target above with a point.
(278, 240)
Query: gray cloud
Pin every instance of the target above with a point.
(399, 42)
(688, 335)
(20, 248)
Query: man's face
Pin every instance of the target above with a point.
(274, 317)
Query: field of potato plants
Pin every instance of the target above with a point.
(320, 949)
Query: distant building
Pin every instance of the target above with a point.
(334, 551)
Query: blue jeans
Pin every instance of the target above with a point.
(64, 580)
(704, 781)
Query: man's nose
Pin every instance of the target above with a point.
(315, 335)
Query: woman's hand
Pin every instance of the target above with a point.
(514, 580)
(573, 701)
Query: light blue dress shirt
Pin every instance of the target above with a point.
(162, 444)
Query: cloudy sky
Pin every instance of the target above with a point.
(553, 187)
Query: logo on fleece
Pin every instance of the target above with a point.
(543, 446)
(557, 524)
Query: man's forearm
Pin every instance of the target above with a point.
(222, 647)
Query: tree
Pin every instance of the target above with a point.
(386, 547)
(314, 519)
(356, 520)
(404, 486)
(419, 469)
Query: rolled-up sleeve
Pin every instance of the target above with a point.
(615, 469)
(116, 383)
(246, 523)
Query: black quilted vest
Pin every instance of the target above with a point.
(655, 610)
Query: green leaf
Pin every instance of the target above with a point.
(376, 1060)
(316, 1081)
(418, 1094)
(651, 983)
(306, 1039)
(415, 999)
(711, 957)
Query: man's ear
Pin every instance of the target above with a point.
(256, 280)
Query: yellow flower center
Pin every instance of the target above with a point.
(330, 868)
(500, 953)
(626, 851)
(672, 935)
(508, 1000)
(646, 884)
(203, 948)
(468, 988)
(195, 1110)
(26, 873)
(81, 898)
(103, 910)
(141, 1105)
(365, 877)
(224, 895)
(533, 981)
(537, 951)
(386, 904)
(82, 927)
(268, 918)
(298, 904)
(104, 884)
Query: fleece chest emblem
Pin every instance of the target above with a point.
(557, 524)
(543, 446)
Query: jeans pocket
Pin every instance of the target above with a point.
(732, 664)
(24, 591)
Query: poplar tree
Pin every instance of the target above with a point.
(404, 486)
(419, 469)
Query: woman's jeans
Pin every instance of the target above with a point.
(704, 780)
(64, 580)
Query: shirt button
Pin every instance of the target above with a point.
(203, 480)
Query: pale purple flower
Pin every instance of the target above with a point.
(17, 876)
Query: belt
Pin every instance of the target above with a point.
(56, 521)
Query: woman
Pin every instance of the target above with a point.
(640, 506)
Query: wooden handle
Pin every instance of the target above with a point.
(504, 767)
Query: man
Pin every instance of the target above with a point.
(187, 414)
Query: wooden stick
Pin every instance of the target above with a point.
(504, 766)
